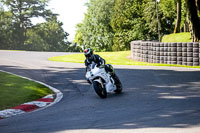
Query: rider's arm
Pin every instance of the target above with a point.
(86, 64)
(101, 61)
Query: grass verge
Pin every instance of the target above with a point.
(15, 90)
(115, 58)
(178, 37)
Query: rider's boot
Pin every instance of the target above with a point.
(114, 76)
(109, 69)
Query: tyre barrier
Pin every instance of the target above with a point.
(166, 53)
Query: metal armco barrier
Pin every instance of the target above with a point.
(166, 53)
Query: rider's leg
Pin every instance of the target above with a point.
(110, 69)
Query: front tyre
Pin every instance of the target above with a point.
(101, 92)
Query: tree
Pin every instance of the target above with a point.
(95, 30)
(127, 23)
(192, 8)
(23, 11)
(47, 36)
(78, 36)
(112, 26)
(166, 16)
(178, 18)
(150, 18)
(18, 32)
(6, 30)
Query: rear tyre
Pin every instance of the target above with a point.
(101, 92)
(119, 87)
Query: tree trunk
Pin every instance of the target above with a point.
(194, 19)
(187, 23)
(178, 18)
(198, 5)
(186, 26)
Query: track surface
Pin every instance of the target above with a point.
(154, 99)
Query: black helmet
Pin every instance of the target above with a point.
(88, 53)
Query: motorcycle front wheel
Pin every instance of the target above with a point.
(101, 92)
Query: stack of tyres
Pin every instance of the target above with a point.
(149, 52)
(157, 52)
(173, 53)
(169, 53)
(165, 53)
(189, 54)
(162, 53)
(179, 53)
(196, 54)
(136, 54)
(154, 52)
(139, 51)
(136, 49)
(184, 53)
(145, 51)
(133, 50)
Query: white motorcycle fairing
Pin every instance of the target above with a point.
(99, 74)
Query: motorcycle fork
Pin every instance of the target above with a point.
(102, 85)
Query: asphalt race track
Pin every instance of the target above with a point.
(154, 99)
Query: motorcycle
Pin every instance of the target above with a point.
(102, 81)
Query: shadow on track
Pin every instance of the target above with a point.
(151, 98)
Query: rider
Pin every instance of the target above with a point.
(94, 58)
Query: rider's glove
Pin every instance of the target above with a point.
(98, 65)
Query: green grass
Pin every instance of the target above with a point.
(15, 90)
(115, 58)
(178, 37)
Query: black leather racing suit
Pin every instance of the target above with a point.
(95, 59)
(100, 61)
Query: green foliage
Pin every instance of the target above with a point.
(18, 32)
(48, 36)
(95, 30)
(166, 16)
(178, 37)
(78, 37)
(112, 25)
(184, 11)
(127, 23)
(6, 31)
(22, 12)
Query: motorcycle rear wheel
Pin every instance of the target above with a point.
(101, 92)
(119, 87)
